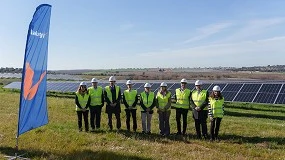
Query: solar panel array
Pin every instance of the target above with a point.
(271, 93)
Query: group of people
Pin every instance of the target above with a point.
(202, 104)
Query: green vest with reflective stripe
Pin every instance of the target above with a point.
(163, 100)
(217, 107)
(147, 101)
(82, 101)
(182, 98)
(130, 96)
(200, 98)
(109, 93)
(95, 95)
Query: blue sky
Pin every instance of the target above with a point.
(105, 34)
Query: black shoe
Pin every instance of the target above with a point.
(80, 129)
(148, 132)
(143, 132)
(178, 133)
(205, 136)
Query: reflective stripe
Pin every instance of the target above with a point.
(182, 98)
(96, 95)
(82, 101)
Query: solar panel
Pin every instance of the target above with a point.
(229, 96)
(206, 86)
(138, 85)
(280, 99)
(282, 89)
(244, 97)
(265, 98)
(273, 93)
(250, 87)
(232, 87)
(270, 88)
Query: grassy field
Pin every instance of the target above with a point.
(247, 132)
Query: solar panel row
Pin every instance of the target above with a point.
(237, 92)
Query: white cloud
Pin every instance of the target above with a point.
(209, 30)
(252, 28)
(273, 45)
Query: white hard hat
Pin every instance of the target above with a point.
(129, 82)
(183, 80)
(198, 83)
(83, 84)
(94, 80)
(216, 88)
(112, 78)
(147, 85)
(163, 84)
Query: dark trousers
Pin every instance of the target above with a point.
(95, 112)
(133, 113)
(183, 112)
(118, 118)
(85, 117)
(215, 127)
(164, 126)
(201, 122)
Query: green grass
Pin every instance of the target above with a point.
(248, 131)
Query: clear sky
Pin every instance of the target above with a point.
(105, 34)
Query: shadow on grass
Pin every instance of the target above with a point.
(258, 109)
(251, 115)
(243, 139)
(85, 154)
(153, 137)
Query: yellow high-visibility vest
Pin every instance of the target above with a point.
(82, 101)
(182, 98)
(95, 95)
(130, 96)
(163, 100)
(147, 101)
(109, 93)
(217, 107)
(200, 98)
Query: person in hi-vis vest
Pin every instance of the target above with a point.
(163, 98)
(82, 101)
(96, 104)
(147, 102)
(199, 102)
(130, 100)
(182, 98)
(216, 111)
(112, 95)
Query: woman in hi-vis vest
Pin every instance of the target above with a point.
(147, 102)
(82, 101)
(216, 111)
(164, 108)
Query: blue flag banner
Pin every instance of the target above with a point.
(33, 105)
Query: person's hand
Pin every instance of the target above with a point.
(147, 109)
(197, 108)
(83, 109)
(211, 118)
